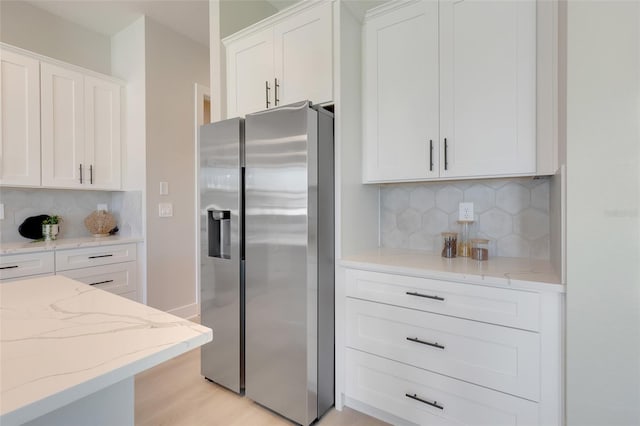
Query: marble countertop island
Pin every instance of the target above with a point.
(62, 341)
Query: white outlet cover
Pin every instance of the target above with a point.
(165, 209)
(466, 212)
(103, 207)
(1, 211)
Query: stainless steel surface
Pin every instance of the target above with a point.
(266, 94)
(220, 185)
(275, 88)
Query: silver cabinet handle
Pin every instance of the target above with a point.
(424, 401)
(446, 161)
(416, 340)
(430, 155)
(80, 172)
(277, 86)
(91, 174)
(266, 93)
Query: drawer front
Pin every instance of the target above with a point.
(94, 256)
(512, 308)
(433, 399)
(23, 265)
(496, 357)
(119, 278)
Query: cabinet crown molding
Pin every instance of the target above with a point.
(387, 7)
(57, 62)
(274, 19)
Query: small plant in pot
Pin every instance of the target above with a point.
(51, 227)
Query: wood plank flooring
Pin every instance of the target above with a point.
(174, 394)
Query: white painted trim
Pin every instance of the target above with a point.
(201, 93)
(387, 7)
(186, 311)
(60, 63)
(273, 20)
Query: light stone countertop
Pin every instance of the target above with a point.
(64, 243)
(61, 340)
(505, 272)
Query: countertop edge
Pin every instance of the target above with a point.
(65, 244)
(50, 403)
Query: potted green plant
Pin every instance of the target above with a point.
(51, 227)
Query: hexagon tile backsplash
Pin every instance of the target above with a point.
(512, 213)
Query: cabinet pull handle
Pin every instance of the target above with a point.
(430, 155)
(428, 296)
(266, 93)
(446, 160)
(99, 256)
(102, 282)
(416, 340)
(80, 172)
(275, 89)
(424, 401)
(91, 174)
(9, 267)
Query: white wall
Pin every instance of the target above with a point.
(173, 64)
(37, 30)
(603, 222)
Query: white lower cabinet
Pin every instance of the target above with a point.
(26, 265)
(436, 352)
(426, 398)
(118, 278)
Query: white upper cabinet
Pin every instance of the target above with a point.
(80, 130)
(250, 73)
(19, 120)
(458, 73)
(401, 89)
(303, 52)
(102, 133)
(62, 110)
(283, 59)
(487, 87)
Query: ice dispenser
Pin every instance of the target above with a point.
(219, 229)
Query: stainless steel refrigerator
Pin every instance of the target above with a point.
(267, 257)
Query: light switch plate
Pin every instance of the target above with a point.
(165, 209)
(466, 212)
(103, 207)
(164, 188)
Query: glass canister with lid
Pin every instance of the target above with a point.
(479, 249)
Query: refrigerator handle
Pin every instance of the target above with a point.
(219, 233)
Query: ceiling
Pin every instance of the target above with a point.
(187, 17)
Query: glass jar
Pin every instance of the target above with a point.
(464, 245)
(479, 249)
(450, 242)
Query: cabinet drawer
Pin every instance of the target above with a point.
(118, 278)
(385, 384)
(22, 265)
(512, 308)
(496, 357)
(94, 256)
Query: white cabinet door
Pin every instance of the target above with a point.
(250, 74)
(118, 278)
(102, 133)
(487, 87)
(304, 57)
(19, 120)
(401, 94)
(62, 112)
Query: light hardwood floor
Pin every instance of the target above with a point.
(174, 394)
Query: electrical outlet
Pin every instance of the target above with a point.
(165, 209)
(466, 212)
(102, 207)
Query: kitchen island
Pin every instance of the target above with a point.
(69, 352)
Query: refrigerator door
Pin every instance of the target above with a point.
(220, 185)
(281, 260)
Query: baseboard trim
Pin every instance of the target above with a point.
(186, 311)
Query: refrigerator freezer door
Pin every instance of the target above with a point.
(281, 260)
(220, 185)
